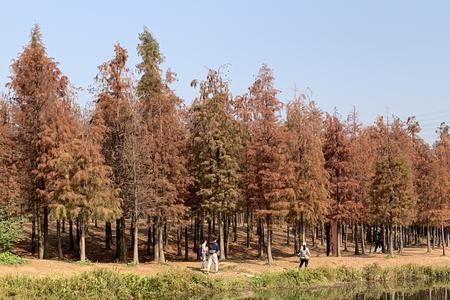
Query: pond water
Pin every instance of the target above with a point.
(378, 293)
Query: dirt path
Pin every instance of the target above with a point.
(232, 267)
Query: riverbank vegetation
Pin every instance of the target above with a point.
(106, 284)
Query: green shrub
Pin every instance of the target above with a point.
(7, 258)
(10, 228)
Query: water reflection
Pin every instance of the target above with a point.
(434, 293)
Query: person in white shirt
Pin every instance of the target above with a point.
(304, 255)
(204, 255)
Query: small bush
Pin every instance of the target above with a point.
(10, 227)
(7, 258)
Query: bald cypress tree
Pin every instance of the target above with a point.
(39, 87)
(166, 177)
(336, 149)
(312, 201)
(270, 169)
(392, 189)
(112, 109)
(216, 146)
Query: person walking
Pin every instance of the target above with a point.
(204, 255)
(212, 251)
(304, 255)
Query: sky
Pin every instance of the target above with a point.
(382, 57)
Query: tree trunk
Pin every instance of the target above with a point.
(345, 237)
(58, 237)
(108, 235)
(123, 241)
(401, 239)
(356, 240)
(136, 240)
(149, 239)
(428, 239)
(186, 244)
(221, 237)
(260, 238)
(295, 239)
(288, 242)
(322, 234)
(249, 228)
(162, 258)
(442, 236)
(156, 236)
(363, 244)
(33, 230)
(302, 224)
(269, 240)
(328, 238)
(391, 240)
(339, 240)
(82, 246)
(63, 227)
(71, 242)
(179, 235)
(45, 232)
(235, 228)
(40, 237)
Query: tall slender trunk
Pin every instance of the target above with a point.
(123, 242)
(40, 235)
(108, 235)
(339, 239)
(328, 238)
(269, 240)
(156, 253)
(288, 242)
(401, 239)
(356, 239)
(63, 226)
(186, 244)
(118, 234)
(302, 224)
(295, 239)
(391, 240)
(222, 237)
(33, 230)
(45, 232)
(71, 242)
(179, 235)
(58, 237)
(249, 227)
(428, 239)
(136, 240)
(82, 246)
(235, 228)
(149, 239)
(260, 238)
(322, 234)
(363, 235)
(442, 236)
(345, 237)
(162, 258)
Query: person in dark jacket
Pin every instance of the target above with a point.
(213, 252)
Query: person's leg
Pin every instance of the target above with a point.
(216, 262)
(306, 263)
(302, 261)
(209, 262)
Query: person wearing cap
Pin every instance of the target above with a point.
(304, 255)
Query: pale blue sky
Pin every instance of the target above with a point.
(371, 54)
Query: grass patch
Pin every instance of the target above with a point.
(7, 258)
(315, 283)
(85, 262)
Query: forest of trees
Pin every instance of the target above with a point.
(139, 157)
